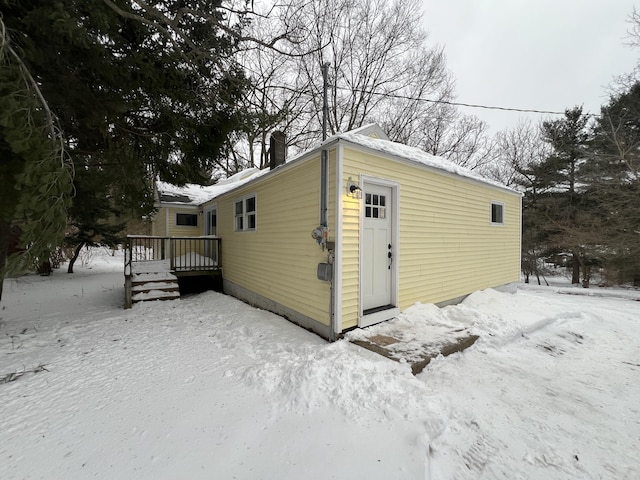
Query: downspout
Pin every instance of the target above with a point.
(324, 201)
(324, 160)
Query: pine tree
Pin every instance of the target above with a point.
(94, 216)
(139, 93)
(565, 205)
(35, 175)
(614, 178)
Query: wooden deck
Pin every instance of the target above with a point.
(152, 265)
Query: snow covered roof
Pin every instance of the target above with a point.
(370, 136)
(413, 154)
(191, 194)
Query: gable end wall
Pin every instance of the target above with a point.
(448, 246)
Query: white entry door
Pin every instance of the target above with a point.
(377, 270)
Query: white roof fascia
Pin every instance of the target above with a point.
(186, 206)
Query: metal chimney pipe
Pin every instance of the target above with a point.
(325, 105)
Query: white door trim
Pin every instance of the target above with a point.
(337, 261)
(207, 225)
(366, 320)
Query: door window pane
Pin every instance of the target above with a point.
(375, 206)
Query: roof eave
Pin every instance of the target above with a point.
(402, 159)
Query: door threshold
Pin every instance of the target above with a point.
(380, 315)
(369, 311)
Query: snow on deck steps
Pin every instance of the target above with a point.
(154, 286)
(143, 287)
(154, 295)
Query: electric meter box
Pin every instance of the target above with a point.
(325, 271)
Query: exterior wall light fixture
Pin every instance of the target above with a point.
(354, 190)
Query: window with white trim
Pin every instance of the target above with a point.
(245, 214)
(497, 213)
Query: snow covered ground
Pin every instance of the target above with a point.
(209, 388)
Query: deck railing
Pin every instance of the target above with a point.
(175, 254)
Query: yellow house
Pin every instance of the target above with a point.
(353, 232)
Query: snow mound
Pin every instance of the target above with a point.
(378, 390)
(500, 318)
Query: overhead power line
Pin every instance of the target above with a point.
(461, 104)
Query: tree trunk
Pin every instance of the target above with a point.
(575, 265)
(586, 275)
(4, 249)
(75, 257)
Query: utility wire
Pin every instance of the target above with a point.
(459, 104)
(447, 102)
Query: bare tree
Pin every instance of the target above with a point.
(517, 152)
(380, 67)
(462, 139)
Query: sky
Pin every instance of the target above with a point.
(543, 55)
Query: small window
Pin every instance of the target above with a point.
(245, 214)
(187, 219)
(497, 213)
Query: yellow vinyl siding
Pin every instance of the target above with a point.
(448, 246)
(159, 224)
(184, 230)
(350, 259)
(279, 259)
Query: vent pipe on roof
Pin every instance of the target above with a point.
(277, 149)
(325, 105)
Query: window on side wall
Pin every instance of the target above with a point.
(245, 216)
(497, 213)
(187, 219)
(239, 215)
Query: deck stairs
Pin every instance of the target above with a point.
(149, 286)
(153, 281)
(152, 265)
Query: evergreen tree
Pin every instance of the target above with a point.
(614, 178)
(564, 206)
(35, 175)
(94, 215)
(140, 89)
